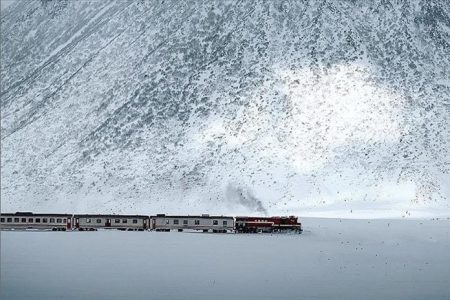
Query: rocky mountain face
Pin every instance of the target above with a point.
(225, 106)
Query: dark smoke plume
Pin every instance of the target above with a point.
(244, 197)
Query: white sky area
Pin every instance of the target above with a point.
(5, 3)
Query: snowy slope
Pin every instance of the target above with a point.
(226, 106)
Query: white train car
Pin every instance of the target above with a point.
(121, 222)
(205, 223)
(28, 220)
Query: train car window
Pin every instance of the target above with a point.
(16, 220)
(124, 221)
(24, 220)
(215, 222)
(30, 220)
(44, 220)
(52, 220)
(99, 220)
(225, 223)
(134, 221)
(167, 222)
(185, 222)
(176, 222)
(9, 220)
(197, 222)
(38, 220)
(88, 220)
(2, 220)
(58, 220)
(117, 221)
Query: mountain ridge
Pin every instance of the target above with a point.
(233, 106)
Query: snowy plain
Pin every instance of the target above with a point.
(332, 259)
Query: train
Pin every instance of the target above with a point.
(158, 222)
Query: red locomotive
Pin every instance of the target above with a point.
(267, 224)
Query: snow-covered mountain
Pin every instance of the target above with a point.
(226, 106)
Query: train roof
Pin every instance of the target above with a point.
(204, 216)
(108, 216)
(271, 217)
(30, 214)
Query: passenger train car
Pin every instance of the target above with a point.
(205, 223)
(120, 222)
(28, 220)
(159, 222)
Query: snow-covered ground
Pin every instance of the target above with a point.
(332, 259)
